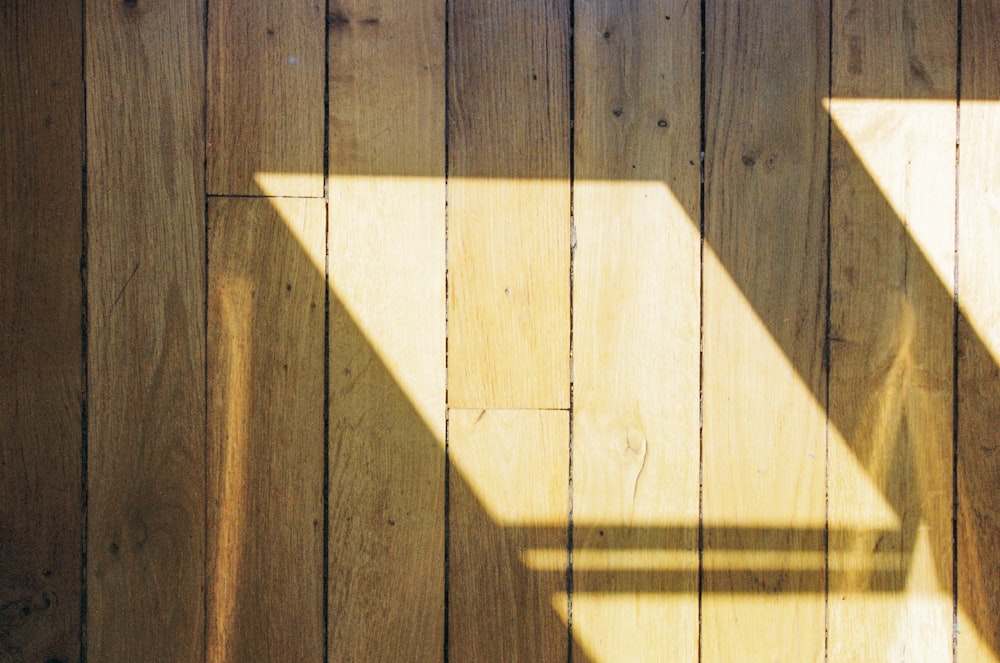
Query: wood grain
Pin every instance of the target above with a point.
(509, 494)
(892, 326)
(978, 525)
(41, 362)
(636, 320)
(508, 265)
(764, 322)
(875, 555)
(387, 331)
(265, 571)
(146, 351)
(265, 94)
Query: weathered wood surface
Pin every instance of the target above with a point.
(41, 331)
(509, 493)
(460, 142)
(892, 231)
(387, 331)
(508, 204)
(636, 318)
(146, 331)
(979, 338)
(265, 95)
(764, 324)
(265, 430)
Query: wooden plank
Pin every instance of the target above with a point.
(146, 351)
(265, 420)
(636, 320)
(892, 239)
(387, 331)
(978, 525)
(509, 496)
(508, 270)
(41, 362)
(265, 91)
(764, 302)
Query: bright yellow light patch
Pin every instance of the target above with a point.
(387, 266)
(898, 626)
(631, 627)
(272, 184)
(899, 142)
(390, 308)
(979, 221)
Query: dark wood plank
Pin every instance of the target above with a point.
(764, 323)
(265, 420)
(979, 337)
(265, 96)
(146, 354)
(41, 296)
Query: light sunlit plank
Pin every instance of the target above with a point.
(636, 319)
(508, 262)
(891, 268)
(764, 379)
(387, 330)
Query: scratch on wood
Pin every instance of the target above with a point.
(122, 290)
(638, 450)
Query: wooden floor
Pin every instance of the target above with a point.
(493, 331)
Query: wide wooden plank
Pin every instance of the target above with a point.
(508, 204)
(764, 323)
(146, 350)
(978, 524)
(265, 420)
(892, 193)
(41, 363)
(636, 322)
(509, 499)
(265, 95)
(387, 331)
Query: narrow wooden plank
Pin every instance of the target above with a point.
(387, 331)
(636, 320)
(509, 497)
(978, 526)
(764, 303)
(265, 419)
(265, 91)
(508, 331)
(41, 365)
(892, 193)
(146, 283)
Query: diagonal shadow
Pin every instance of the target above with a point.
(375, 424)
(393, 458)
(377, 433)
(382, 455)
(386, 501)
